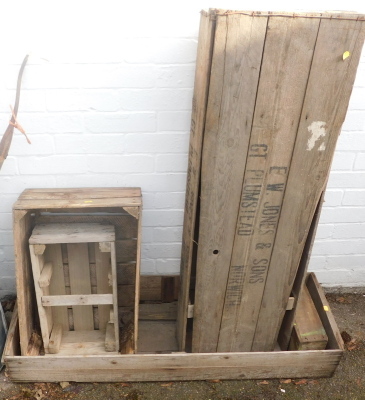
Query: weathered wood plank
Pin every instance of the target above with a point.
(53, 254)
(226, 139)
(22, 227)
(44, 314)
(200, 97)
(80, 284)
(168, 367)
(46, 275)
(77, 300)
(103, 269)
(319, 299)
(55, 339)
(72, 233)
(286, 63)
(328, 91)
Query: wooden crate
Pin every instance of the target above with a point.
(119, 207)
(271, 93)
(174, 365)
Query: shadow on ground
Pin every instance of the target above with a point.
(347, 383)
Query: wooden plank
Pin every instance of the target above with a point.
(76, 203)
(110, 344)
(114, 311)
(53, 254)
(55, 339)
(34, 345)
(137, 291)
(319, 299)
(328, 91)
(173, 367)
(125, 225)
(308, 332)
(77, 300)
(71, 233)
(46, 275)
(80, 284)
(226, 139)
(200, 98)
(79, 193)
(103, 269)
(286, 63)
(22, 226)
(44, 314)
(126, 273)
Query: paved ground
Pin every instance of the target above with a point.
(347, 383)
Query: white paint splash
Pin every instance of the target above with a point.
(317, 131)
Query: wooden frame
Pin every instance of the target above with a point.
(53, 301)
(181, 366)
(120, 207)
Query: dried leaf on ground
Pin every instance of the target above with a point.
(167, 384)
(214, 380)
(64, 384)
(301, 382)
(263, 383)
(346, 337)
(285, 381)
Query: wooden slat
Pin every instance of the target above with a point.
(103, 269)
(77, 300)
(78, 193)
(46, 275)
(157, 336)
(159, 311)
(72, 233)
(200, 97)
(226, 139)
(22, 226)
(110, 344)
(80, 284)
(324, 109)
(44, 314)
(53, 254)
(125, 225)
(172, 367)
(55, 339)
(113, 314)
(319, 299)
(286, 63)
(76, 203)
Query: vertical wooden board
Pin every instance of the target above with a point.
(114, 285)
(22, 226)
(103, 269)
(44, 313)
(235, 72)
(79, 270)
(53, 254)
(324, 109)
(286, 63)
(137, 287)
(201, 88)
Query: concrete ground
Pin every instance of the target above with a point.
(347, 383)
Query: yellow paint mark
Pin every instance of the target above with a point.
(88, 201)
(345, 55)
(326, 308)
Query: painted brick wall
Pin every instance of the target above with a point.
(111, 107)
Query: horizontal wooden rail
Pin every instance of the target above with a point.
(77, 300)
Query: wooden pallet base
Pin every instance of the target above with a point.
(158, 336)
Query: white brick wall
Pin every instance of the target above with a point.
(112, 106)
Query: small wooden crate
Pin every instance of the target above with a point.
(74, 319)
(178, 365)
(119, 207)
